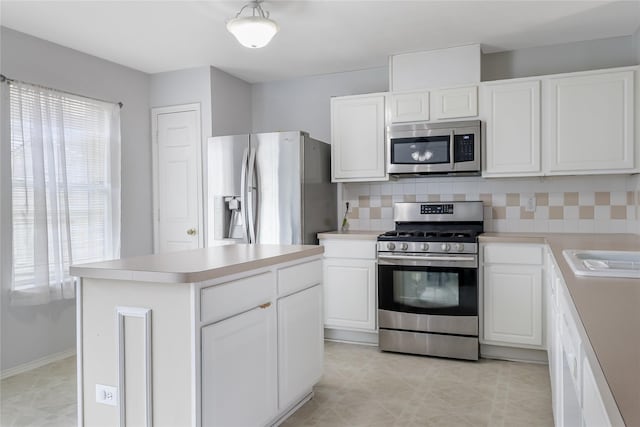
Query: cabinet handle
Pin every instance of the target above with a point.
(265, 305)
(191, 232)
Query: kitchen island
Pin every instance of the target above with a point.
(222, 336)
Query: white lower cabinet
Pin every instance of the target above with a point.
(262, 344)
(513, 309)
(577, 398)
(239, 365)
(512, 284)
(350, 298)
(350, 294)
(300, 344)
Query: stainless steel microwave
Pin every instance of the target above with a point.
(434, 148)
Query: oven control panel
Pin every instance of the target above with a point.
(440, 209)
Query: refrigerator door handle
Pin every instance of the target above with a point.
(251, 191)
(244, 194)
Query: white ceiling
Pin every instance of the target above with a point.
(316, 37)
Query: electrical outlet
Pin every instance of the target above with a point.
(531, 204)
(106, 395)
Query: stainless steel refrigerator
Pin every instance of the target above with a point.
(272, 188)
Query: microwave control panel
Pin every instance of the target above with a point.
(463, 148)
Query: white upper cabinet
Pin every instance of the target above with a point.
(454, 103)
(358, 138)
(589, 123)
(409, 107)
(511, 112)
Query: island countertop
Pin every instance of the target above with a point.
(195, 265)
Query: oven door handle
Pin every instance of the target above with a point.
(428, 258)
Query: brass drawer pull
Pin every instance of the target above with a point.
(265, 305)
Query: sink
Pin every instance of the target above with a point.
(603, 263)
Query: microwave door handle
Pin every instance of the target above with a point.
(452, 150)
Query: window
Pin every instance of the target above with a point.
(65, 170)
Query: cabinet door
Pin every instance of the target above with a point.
(594, 413)
(409, 107)
(300, 344)
(455, 103)
(590, 123)
(239, 370)
(512, 113)
(513, 304)
(357, 138)
(350, 294)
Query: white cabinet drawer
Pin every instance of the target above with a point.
(233, 297)
(358, 249)
(512, 254)
(297, 277)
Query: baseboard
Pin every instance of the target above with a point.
(25, 367)
(513, 354)
(351, 337)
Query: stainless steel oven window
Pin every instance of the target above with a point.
(426, 289)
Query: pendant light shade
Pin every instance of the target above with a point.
(253, 31)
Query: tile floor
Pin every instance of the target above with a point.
(361, 387)
(45, 396)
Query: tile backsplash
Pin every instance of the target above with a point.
(591, 204)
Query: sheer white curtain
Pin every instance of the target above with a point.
(65, 171)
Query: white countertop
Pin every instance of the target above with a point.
(195, 265)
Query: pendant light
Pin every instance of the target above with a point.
(254, 31)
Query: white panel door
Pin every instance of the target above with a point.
(454, 103)
(513, 304)
(408, 107)
(590, 123)
(178, 200)
(350, 294)
(239, 370)
(300, 344)
(512, 119)
(358, 138)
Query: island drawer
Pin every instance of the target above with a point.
(236, 296)
(298, 277)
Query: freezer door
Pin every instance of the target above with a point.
(275, 188)
(227, 162)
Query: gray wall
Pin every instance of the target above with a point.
(189, 86)
(561, 58)
(230, 104)
(303, 104)
(29, 333)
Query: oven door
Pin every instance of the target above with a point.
(409, 287)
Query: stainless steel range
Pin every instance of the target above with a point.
(428, 280)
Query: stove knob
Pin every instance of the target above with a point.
(404, 246)
(445, 247)
(425, 246)
(459, 247)
(391, 246)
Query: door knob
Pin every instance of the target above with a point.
(191, 232)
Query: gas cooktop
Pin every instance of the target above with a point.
(430, 235)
